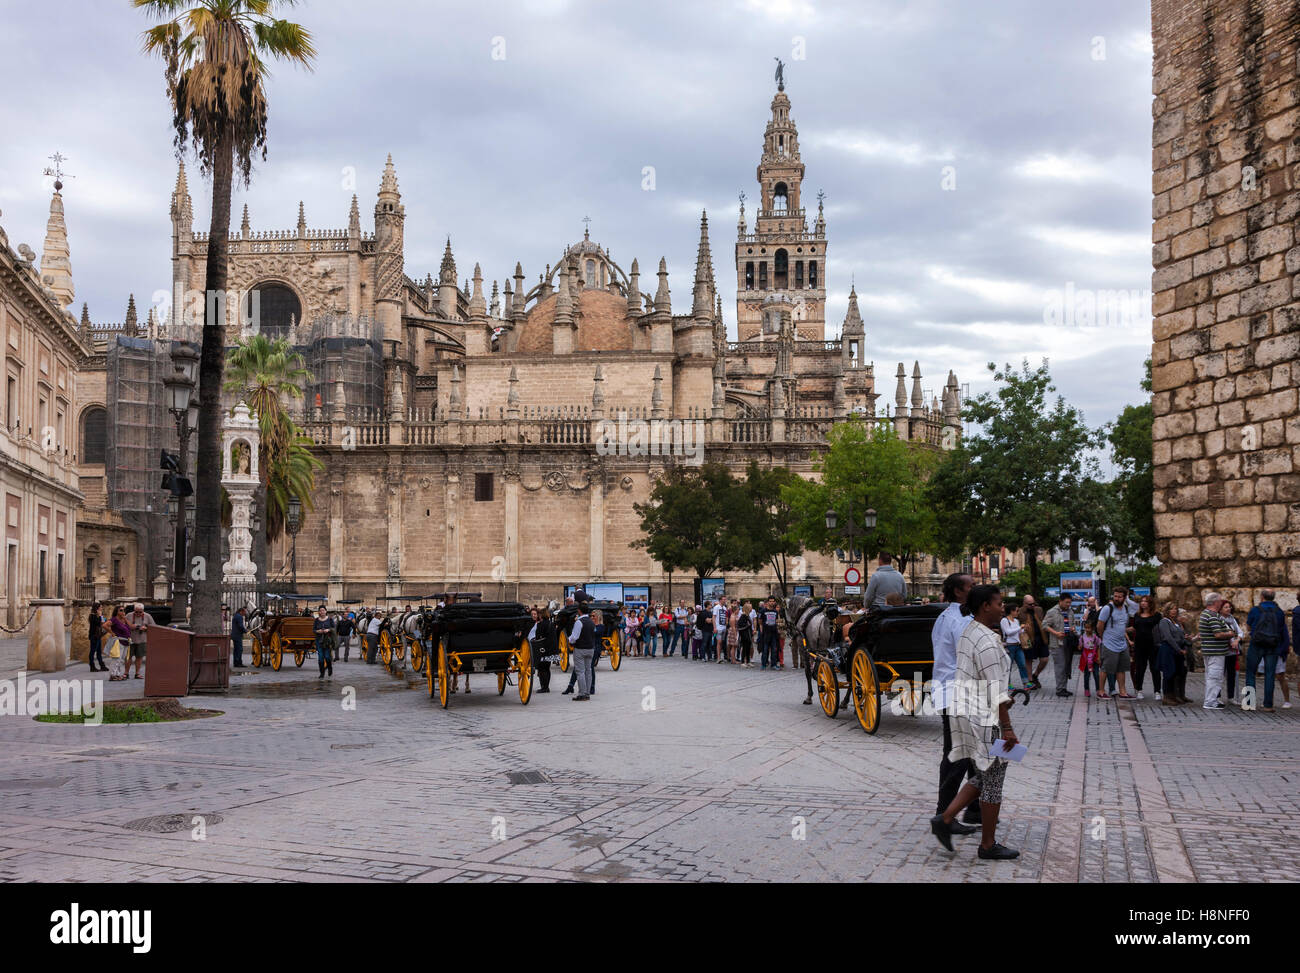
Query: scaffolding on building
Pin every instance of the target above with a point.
(354, 343)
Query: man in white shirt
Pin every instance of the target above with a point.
(680, 615)
(948, 628)
(720, 630)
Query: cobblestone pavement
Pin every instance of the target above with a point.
(673, 771)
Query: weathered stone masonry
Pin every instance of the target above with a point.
(1226, 286)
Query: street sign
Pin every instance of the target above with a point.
(853, 589)
(852, 576)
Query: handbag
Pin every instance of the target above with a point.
(115, 649)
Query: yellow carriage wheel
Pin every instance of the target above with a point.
(524, 663)
(614, 649)
(444, 675)
(257, 652)
(277, 651)
(430, 675)
(866, 690)
(564, 651)
(300, 654)
(828, 688)
(386, 649)
(399, 647)
(501, 683)
(417, 655)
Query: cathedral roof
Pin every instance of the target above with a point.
(600, 316)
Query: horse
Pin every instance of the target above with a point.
(814, 623)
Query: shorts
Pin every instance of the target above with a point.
(1114, 662)
(989, 782)
(138, 649)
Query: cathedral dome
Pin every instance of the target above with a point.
(600, 316)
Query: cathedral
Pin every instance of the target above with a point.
(465, 426)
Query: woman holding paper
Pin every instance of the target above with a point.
(981, 722)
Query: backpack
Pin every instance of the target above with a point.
(1266, 633)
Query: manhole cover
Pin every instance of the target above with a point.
(528, 777)
(351, 746)
(171, 823)
(33, 785)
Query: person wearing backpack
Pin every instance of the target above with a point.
(1268, 640)
(1112, 625)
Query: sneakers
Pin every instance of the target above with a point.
(998, 853)
(1215, 706)
(1140, 696)
(1159, 698)
(1287, 704)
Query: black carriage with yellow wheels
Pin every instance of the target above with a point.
(413, 630)
(888, 652)
(281, 631)
(611, 643)
(480, 638)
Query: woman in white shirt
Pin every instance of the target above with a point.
(1011, 639)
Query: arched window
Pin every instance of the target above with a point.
(269, 308)
(762, 276)
(749, 275)
(94, 435)
(798, 274)
(780, 198)
(591, 273)
(812, 273)
(782, 270)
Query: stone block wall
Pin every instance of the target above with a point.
(1226, 297)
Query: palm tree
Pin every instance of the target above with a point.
(214, 52)
(263, 372)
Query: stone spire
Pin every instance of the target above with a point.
(951, 402)
(131, 329)
(152, 324)
(740, 222)
(900, 393)
(512, 400)
(778, 397)
(663, 299)
(302, 220)
(508, 303)
(819, 230)
(918, 400)
(657, 396)
(447, 284)
(354, 219)
(477, 305)
(564, 300)
(703, 272)
(634, 290)
(453, 397)
(244, 227)
(388, 183)
(85, 320)
(56, 267)
(494, 307)
(853, 319)
(182, 210)
(520, 293)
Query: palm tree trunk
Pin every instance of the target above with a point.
(260, 545)
(205, 610)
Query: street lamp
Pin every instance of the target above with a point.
(183, 406)
(293, 524)
(851, 530)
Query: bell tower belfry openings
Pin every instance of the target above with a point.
(781, 255)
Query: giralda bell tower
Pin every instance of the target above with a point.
(781, 257)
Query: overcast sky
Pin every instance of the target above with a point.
(511, 120)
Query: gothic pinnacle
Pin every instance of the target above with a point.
(663, 299)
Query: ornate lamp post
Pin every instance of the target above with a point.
(851, 530)
(293, 524)
(184, 408)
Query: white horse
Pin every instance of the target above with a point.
(808, 620)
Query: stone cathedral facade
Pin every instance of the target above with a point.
(461, 423)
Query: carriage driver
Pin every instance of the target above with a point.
(583, 640)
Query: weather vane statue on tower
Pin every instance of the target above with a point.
(780, 74)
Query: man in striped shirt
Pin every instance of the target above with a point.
(1217, 638)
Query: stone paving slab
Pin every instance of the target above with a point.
(727, 778)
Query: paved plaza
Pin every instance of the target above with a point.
(673, 771)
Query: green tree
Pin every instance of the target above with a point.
(1016, 482)
(687, 522)
(867, 465)
(765, 527)
(1131, 450)
(214, 52)
(264, 372)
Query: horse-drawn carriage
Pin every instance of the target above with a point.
(281, 629)
(611, 643)
(408, 631)
(887, 650)
(473, 637)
